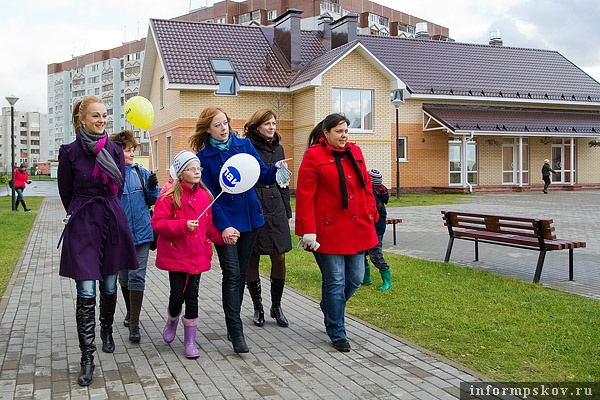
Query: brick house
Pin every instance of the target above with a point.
(470, 117)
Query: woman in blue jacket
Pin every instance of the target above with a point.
(141, 191)
(237, 216)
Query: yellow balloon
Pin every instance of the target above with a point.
(139, 112)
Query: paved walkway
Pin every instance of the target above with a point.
(39, 355)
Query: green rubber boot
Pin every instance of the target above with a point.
(387, 279)
(367, 277)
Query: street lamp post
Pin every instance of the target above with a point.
(12, 99)
(397, 100)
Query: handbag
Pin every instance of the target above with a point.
(153, 243)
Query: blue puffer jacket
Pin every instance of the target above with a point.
(136, 206)
(241, 211)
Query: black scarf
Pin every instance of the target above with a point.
(338, 155)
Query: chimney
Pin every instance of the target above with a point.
(495, 37)
(286, 43)
(421, 31)
(325, 25)
(343, 30)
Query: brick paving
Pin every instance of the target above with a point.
(39, 354)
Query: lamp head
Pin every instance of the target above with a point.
(12, 99)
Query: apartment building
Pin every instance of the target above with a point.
(30, 139)
(111, 75)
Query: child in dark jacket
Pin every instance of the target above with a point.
(382, 196)
(183, 245)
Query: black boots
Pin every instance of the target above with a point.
(125, 291)
(23, 203)
(108, 303)
(135, 297)
(276, 293)
(85, 316)
(259, 313)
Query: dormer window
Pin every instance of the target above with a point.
(225, 75)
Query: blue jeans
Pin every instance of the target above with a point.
(342, 276)
(234, 259)
(135, 279)
(19, 192)
(87, 289)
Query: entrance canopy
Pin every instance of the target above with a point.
(510, 121)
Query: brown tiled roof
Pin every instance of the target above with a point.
(516, 120)
(461, 69)
(187, 47)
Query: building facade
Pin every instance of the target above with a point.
(460, 127)
(30, 139)
(111, 75)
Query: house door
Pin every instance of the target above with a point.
(515, 169)
(561, 161)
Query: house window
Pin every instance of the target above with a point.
(162, 91)
(356, 105)
(225, 75)
(402, 148)
(271, 15)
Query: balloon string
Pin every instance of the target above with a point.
(211, 203)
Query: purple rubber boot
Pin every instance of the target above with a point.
(189, 337)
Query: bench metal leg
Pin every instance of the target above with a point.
(570, 264)
(476, 250)
(540, 265)
(449, 249)
(394, 233)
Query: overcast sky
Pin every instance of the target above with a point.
(35, 33)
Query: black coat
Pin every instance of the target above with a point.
(274, 235)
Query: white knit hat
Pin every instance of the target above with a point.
(181, 160)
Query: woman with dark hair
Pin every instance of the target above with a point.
(335, 216)
(21, 176)
(96, 241)
(236, 216)
(274, 237)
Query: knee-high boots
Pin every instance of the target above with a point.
(136, 298)
(108, 302)
(85, 316)
(255, 292)
(276, 294)
(125, 291)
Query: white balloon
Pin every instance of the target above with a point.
(239, 173)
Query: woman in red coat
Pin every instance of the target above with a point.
(21, 180)
(335, 216)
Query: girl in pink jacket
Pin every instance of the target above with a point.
(183, 247)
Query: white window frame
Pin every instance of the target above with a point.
(365, 107)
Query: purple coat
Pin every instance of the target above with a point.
(96, 240)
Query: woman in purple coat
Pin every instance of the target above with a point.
(97, 241)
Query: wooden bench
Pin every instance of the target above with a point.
(525, 233)
(393, 221)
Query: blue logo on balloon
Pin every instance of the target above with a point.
(231, 176)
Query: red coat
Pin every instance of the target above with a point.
(178, 249)
(21, 178)
(319, 202)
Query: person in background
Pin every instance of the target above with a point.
(274, 237)
(335, 216)
(382, 196)
(546, 174)
(96, 241)
(21, 176)
(237, 216)
(140, 192)
(183, 246)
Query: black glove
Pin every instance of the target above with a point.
(152, 181)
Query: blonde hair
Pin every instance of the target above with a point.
(176, 191)
(200, 137)
(80, 108)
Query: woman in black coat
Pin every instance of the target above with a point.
(546, 169)
(274, 237)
